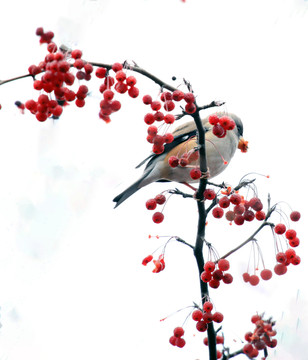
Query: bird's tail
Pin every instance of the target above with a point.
(129, 191)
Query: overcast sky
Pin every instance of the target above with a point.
(71, 281)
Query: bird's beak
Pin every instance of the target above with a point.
(242, 145)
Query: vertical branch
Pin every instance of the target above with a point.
(198, 249)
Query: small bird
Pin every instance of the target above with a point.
(219, 152)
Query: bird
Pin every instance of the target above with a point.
(219, 152)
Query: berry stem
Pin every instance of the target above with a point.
(252, 237)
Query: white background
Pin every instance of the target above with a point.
(71, 281)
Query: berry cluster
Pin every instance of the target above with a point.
(203, 318)
(283, 258)
(239, 209)
(213, 274)
(151, 204)
(60, 69)
(159, 263)
(121, 83)
(261, 337)
(167, 101)
(176, 339)
(221, 125)
(56, 80)
(186, 159)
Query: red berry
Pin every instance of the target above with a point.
(295, 215)
(260, 215)
(227, 123)
(101, 72)
(206, 341)
(80, 102)
(168, 138)
(149, 118)
(290, 234)
(223, 264)
(246, 277)
(195, 173)
(131, 81)
(207, 317)
(197, 315)
(296, 260)
(248, 336)
(155, 105)
(157, 148)
(239, 220)
(41, 116)
(224, 202)
(178, 332)
(228, 278)
(239, 209)
(120, 76)
(147, 99)
(247, 349)
(115, 105)
(177, 95)
(217, 212)
(219, 131)
(117, 67)
(160, 199)
(235, 199)
(209, 194)
(120, 87)
(206, 276)
(249, 215)
(230, 215)
(133, 92)
(290, 254)
(214, 283)
(57, 111)
(266, 274)
(169, 105)
(173, 161)
(152, 130)
(147, 259)
(108, 95)
(294, 242)
(180, 342)
(169, 119)
(76, 54)
(183, 161)
(207, 306)
(189, 97)
(213, 119)
(209, 266)
(256, 204)
(172, 340)
(158, 217)
(159, 116)
(255, 318)
(254, 280)
(88, 68)
(218, 317)
(151, 204)
(190, 108)
(280, 229)
(280, 269)
(201, 326)
(78, 64)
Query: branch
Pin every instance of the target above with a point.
(265, 223)
(14, 78)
